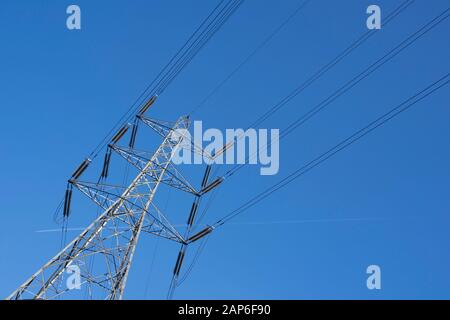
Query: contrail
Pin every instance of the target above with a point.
(310, 221)
(325, 220)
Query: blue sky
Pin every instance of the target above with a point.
(383, 201)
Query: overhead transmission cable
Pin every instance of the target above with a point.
(367, 35)
(199, 250)
(442, 82)
(321, 72)
(358, 135)
(194, 49)
(317, 75)
(293, 94)
(264, 43)
(267, 40)
(355, 80)
(201, 36)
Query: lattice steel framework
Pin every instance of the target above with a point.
(127, 212)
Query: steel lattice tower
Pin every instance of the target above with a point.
(126, 213)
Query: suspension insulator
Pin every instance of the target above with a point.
(212, 185)
(176, 270)
(193, 213)
(147, 105)
(120, 134)
(67, 201)
(133, 135)
(206, 176)
(105, 170)
(200, 234)
(81, 169)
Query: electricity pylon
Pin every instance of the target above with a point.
(126, 213)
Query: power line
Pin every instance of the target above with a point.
(155, 250)
(216, 19)
(250, 56)
(206, 35)
(175, 282)
(321, 72)
(338, 147)
(194, 261)
(294, 93)
(367, 35)
(317, 75)
(355, 80)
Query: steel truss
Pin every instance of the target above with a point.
(127, 212)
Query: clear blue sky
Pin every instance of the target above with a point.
(383, 201)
